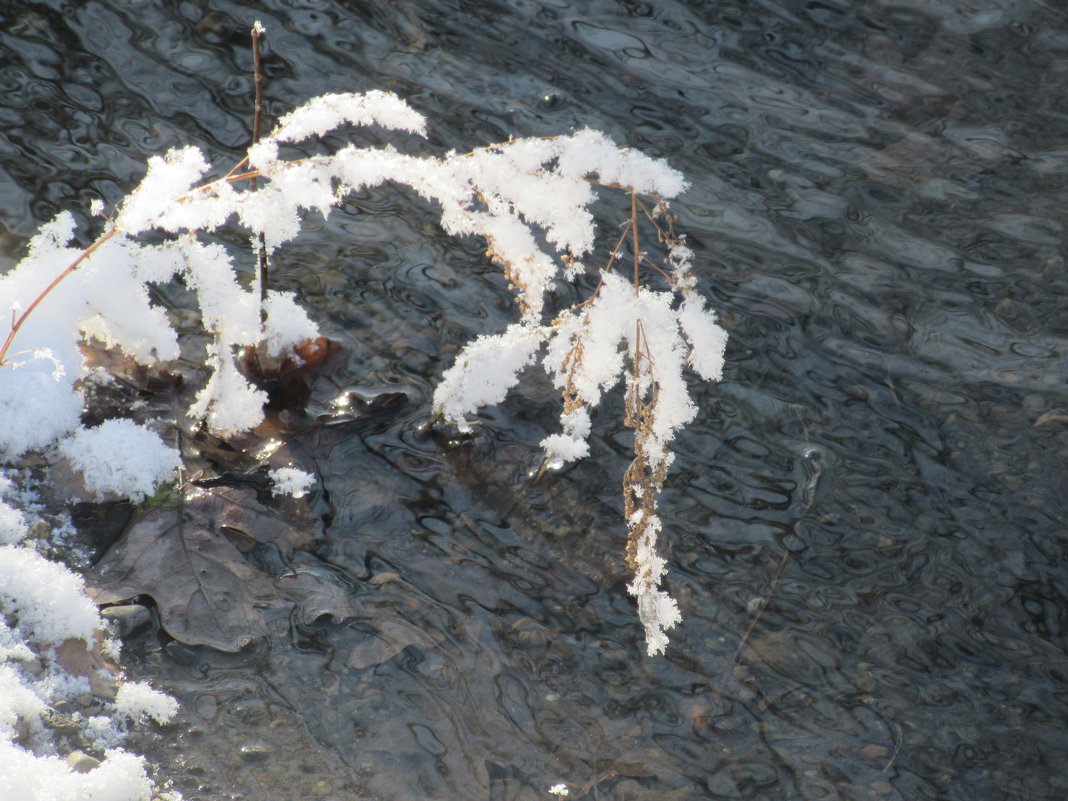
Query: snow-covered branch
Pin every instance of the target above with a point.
(529, 199)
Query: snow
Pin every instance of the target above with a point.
(12, 525)
(138, 701)
(485, 371)
(17, 701)
(573, 443)
(153, 204)
(707, 339)
(327, 112)
(50, 606)
(146, 463)
(47, 599)
(657, 610)
(291, 481)
(121, 776)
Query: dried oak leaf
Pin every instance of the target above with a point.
(89, 660)
(392, 637)
(315, 593)
(186, 560)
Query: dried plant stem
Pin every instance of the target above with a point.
(251, 175)
(257, 78)
(634, 238)
(17, 324)
(763, 605)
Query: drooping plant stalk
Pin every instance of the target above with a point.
(528, 199)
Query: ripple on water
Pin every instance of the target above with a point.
(875, 207)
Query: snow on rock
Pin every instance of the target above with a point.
(16, 702)
(12, 525)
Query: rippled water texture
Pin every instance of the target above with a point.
(877, 204)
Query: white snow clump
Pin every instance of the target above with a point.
(291, 481)
(146, 461)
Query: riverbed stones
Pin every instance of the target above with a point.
(81, 762)
(127, 620)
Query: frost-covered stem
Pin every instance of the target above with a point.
(634, 237)
(17, 324)
(257, 78)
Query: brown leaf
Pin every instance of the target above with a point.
(237, 509)
(392, 637)
(284, 377)
(75, 657)
(315, 593)
(207, 594)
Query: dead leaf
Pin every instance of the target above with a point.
(236, 509)
(206, 593)
(874, 751)
(315, 592)
(392, 637)
(77, 658)
(284, 377)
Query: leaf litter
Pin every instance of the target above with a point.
(194, 550)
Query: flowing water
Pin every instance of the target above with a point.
(865, 526)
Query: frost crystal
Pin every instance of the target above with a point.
(291, 481)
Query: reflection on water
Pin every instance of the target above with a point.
(865, 524)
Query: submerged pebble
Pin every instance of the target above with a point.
(127, 620)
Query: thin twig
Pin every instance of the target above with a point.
(657, 267)
(634, 234)
(257, 77)
(17, 324)
(897, 746)
(764, 605)
(619, 246)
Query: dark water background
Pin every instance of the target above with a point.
(877, 199)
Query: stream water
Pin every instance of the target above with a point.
(866, 524)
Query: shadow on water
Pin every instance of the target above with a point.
(865, 524)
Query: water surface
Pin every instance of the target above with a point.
(879, 482)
